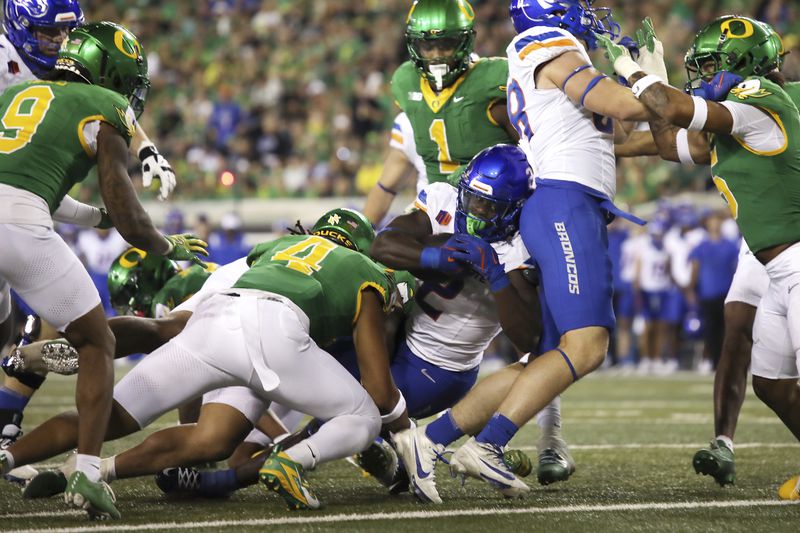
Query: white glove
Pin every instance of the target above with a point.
(651, 51)
(154, 165)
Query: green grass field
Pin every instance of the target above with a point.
(632, 439)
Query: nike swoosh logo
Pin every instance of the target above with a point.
(425, 373)
(504, 474)
(420, 472)
(458, 98)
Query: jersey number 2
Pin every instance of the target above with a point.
(438, 135)
(22, 118)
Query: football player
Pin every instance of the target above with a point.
(37, 167)
(314, 288)
(455, 105)
(740, 119)
(554, 91)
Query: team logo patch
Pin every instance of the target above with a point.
(334, 219)
(749, 89)
(423, 197)
(444, 218)
(415, 96)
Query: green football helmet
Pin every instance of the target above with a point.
(440, 25)
(134, 279)
(107, 54)
(347, 227)
(740, 45)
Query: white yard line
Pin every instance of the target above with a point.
(408, 515)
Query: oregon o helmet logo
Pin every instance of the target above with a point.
(132, 257)
(727, 30)
(466, 9)
(122, 45)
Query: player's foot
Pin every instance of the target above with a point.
(9, 433)
(284, 476)
(518, 462)
(485, 462)
(380, 461)
(419, 454)
(95, 498)
(790, 490)
(716, 461)
(179, 481)
(555, 461)
(45, 485)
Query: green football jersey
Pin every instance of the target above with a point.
(180, 288)
(323, 279)
(762, 189)
(452, 126)
(43, 146)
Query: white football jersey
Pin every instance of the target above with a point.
(13, 69)
(452, 323)
(679, 245)
(563, 140)
(654, 273)
(403, 139)
(631, 249)
(100, 252)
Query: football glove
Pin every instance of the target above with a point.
(155, 166)
(184, 246)
(441, 258)
(620, 57)
(651, 51)
(482, 258)
(718, 88)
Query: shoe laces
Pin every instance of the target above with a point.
(9, 435)
(551, 456)
(188, 478)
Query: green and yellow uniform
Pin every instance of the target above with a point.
(323, 279)
(55, 114)
(762, 188)
(180, 288)
(451, 126)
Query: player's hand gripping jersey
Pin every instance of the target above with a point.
(761, 187)
(323, 279)
(49, 134)
(562, 139)
(453, 322)
(452, 126)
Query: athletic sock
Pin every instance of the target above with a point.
(218, 482)
(11, 400)
(89, 465)
(108, 469)
(444, 429)
(727, 440)
(498, 431)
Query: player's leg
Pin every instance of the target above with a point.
(565, 231)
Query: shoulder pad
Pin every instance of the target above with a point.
(540, 44)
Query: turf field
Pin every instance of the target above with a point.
(632, 439)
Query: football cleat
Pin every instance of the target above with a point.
(179, 481)
(285, 476)
(485, 462)
(380, 461)
(790, 490)
(518, 462)
(45, 485)
(419, 454)
(9, 435)
(97, 499)
(716, 461)
(555, 461)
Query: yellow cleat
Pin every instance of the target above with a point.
(790, 490)
(284, 476)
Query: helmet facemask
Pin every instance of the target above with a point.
(441, 70)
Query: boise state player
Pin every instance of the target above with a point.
(456, 106)
(563, 110)
(741, 120)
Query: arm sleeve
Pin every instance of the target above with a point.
(71, 211)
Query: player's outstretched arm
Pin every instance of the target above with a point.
(144, 335)
(369, 337)
(154, 165)
(400, 244)
(397, 170)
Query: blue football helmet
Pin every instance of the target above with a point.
(24, 17)
(576, 16)
(491, 192)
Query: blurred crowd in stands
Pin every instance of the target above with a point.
(290, 98)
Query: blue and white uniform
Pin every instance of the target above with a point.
(563, 224)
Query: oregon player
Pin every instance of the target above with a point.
(456, 105)
(754, 152)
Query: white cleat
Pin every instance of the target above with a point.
(419, 455)
(485, 462)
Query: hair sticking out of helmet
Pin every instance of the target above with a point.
(37, 28)
(739, 45)
(134, 279)
(108, 55)
(440, 37)
(491, 192)
(576, 16)
(346, 227)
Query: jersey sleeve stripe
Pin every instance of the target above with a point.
(369, 285)
(420, 206)
(398, 138)
(525, 41)
(550, 44)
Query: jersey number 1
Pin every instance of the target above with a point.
(438, 135)
(22, 118)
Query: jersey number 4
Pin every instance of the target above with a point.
(313, 249)
(22, 118)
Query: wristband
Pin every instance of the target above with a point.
(429, 258)
(626, 67)
(397, 412)
(700, 114)
(147, 150)
(499, 283)
(682, 144)
(640, 86)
